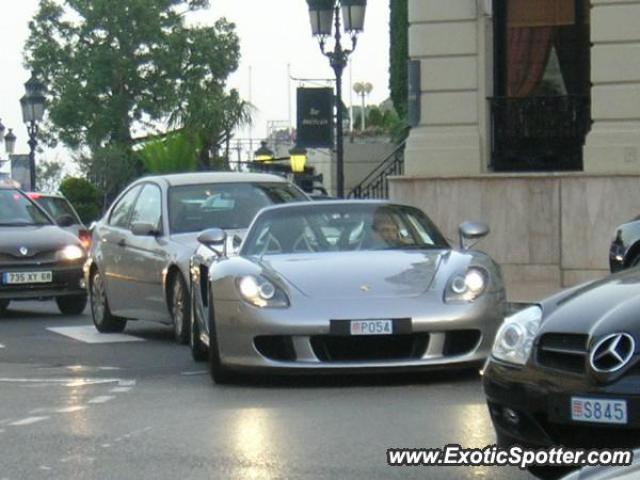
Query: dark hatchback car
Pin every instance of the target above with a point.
(624, 251)
(38, 259)
(567, 371)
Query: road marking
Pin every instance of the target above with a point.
(28, 421)
(1, 345)
(120, 389)
(75, 408)
(70, 381)
(105, 445)
(90, 335)
(45, 468)
(101, 399)
(198, 372)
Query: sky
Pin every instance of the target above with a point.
(275, 38)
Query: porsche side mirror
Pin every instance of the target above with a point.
(472, 231)
(214, 237)
(144, 229)
(65, 220)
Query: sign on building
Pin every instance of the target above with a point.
(315, 118)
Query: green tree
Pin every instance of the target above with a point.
(49, 174)
(398, 55)
(114, 66)
(83, 195)
(172, 154)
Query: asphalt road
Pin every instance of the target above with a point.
(75, 410)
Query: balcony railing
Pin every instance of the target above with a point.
(539, 133)
(376, 184)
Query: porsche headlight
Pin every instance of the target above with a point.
(467, 287)
(71, 253)
(261, 292)
(514, 339)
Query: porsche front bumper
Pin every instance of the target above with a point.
(298, 340)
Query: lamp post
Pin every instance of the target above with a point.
(325, 15)
(33, 103)
(363, 89)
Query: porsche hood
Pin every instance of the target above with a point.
(341, 276)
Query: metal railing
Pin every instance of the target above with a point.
(376, 184)
(539, 133)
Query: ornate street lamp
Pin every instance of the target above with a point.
(264, 153)
(33, 104)
(324, 16)
(298, 159)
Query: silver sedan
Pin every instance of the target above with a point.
(138, 267)
(343, 286)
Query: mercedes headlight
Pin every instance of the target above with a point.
(261, 292)
(71, 253)
(467, 287)
(514, 339)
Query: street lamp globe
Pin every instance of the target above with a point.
(264, 153)
(10, 142)
(353, 12)
(33, 102)
(298, 159)
(321, 16)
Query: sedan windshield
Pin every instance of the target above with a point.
(340, 227)
(193, 208)
(18, 210)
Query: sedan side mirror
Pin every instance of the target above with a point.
(144, 229)
(65, 220)
(214, 237)
(472, 231)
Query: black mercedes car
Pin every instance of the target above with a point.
(624, 251)
(38, 259)
(567, 370)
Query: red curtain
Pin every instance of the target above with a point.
(528, 51)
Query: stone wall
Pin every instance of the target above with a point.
(552, 229)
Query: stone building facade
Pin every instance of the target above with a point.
(530, 121)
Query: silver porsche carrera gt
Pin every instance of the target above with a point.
(343, 286)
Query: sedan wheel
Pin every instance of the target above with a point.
(180, 310)
(198, 349)
(72, 305)
(219, 374)
(104, 321)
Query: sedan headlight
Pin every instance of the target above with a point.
(514, 339)
(261, 292)
(467, 287)
(71, 253)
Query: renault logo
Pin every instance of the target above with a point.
(612, 353)
(365, 288)
(24, 251)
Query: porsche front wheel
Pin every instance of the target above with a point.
(198, 349)
(219, 374)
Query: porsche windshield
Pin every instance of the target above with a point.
(16, 210)
(193, 208)
(341, 227)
